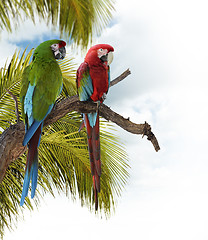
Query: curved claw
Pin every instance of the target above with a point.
(82, 125)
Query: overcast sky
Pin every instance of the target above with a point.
(165, 45)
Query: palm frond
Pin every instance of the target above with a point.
(66, 150)
(7, 11)
(10, 193)
(77, 20)
(10, 78)
(68, 68)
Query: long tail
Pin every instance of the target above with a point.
(92, 126)
(31, 170)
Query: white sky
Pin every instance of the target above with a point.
(164, 43)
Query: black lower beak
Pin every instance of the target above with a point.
(61, 54)
(104, 58)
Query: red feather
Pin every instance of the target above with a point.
(94, 70)
(94, 153)
(32, 148)
(62, 44)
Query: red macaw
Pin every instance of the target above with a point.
(93, 80)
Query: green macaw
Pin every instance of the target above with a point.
(41, 84)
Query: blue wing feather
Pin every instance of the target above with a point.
(85, 89)
(32, 129)
(84, 82)
(28, 103)
(30, 132)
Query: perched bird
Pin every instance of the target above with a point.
(93, 80)
(41, 84)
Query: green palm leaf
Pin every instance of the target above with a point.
(78, 20)
(10, 78)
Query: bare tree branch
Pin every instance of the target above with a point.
(11, 139)
(120, 78)
(73, 104)
(11, 146)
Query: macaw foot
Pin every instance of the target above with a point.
(104, 97)
(98, 104)
(81, 126)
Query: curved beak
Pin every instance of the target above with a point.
(107, 58)
(110, 58)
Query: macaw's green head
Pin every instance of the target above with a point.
(51, 49)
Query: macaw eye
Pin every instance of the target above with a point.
(55, 45)
(101, 49)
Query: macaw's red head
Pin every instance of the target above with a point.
(100, 54)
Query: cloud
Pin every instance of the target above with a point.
(7, 50)
(25, 35)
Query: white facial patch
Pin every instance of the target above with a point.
(55, 48)
(101, 52)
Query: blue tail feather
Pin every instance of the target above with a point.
(30, 132)
(32, 163)
(92, 118)
(25, 186)
(31, 174)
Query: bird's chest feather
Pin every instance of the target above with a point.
(99, 76)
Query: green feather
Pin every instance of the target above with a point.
(43, 72)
